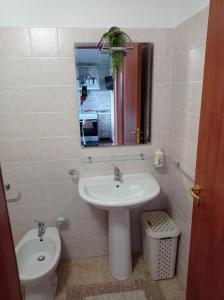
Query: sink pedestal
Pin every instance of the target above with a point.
(120, 261)
(119, 198)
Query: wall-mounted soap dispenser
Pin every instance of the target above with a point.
(158, 159)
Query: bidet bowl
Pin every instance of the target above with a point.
(37, 259)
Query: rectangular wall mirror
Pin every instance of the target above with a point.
(114, 110)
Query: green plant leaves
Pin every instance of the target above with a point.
(115, 38)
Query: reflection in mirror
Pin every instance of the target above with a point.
(114, 111)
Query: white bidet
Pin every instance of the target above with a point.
(37, 259)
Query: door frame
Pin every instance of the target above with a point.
(9, 278)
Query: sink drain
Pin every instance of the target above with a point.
(41, 258)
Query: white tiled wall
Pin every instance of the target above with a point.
(39, 132)
(190, 39)
(96, 100)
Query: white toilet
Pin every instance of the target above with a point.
(37, 259)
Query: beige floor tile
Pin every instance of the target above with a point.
(104, 272)
(95, 270)
(139, 270)
(172, 289)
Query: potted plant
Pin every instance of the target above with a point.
(115, 40)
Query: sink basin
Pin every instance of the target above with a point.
(134, 190)
(118, 197)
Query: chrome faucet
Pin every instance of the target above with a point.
(117, 173)
(41, 228)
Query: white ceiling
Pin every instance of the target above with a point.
(97, 13)
(187, 8)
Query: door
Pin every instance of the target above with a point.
(132, 95)
(118, 110)
(9, 280)
(206, 264)
(127, 93)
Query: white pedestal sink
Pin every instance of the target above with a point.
(118, 198)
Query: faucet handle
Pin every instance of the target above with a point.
(39, 223)
(116, 167)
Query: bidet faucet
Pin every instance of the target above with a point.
(117, 173)
(41, 228)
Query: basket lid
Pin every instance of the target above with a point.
(159, 225)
